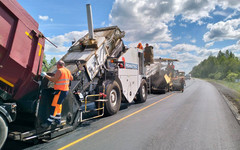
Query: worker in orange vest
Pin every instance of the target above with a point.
(182, 81)
(61, 86)
(140, 46)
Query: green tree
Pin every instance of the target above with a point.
(46, 66)
(218, 76)
(53, 61)
(223, 66)
(231, 77)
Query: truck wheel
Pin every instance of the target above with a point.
(3, 131)
(168, 88)
(142, 93)
(163, 91)
(114, 99)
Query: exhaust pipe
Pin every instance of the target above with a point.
(90, 22)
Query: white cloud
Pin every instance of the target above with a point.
(229, 3)
(164, 2)
(133, 44)
(187, 61)
(63, 42)
(220, 31)
(158, 52)
(193, 41)
(183, 25)
(171, 24)
(45, 18)
(165, 45)
(235, 48)
(148, 20)
(187, 54)
(50, 56)
(238, 42)
(185, 48)
(177, 38)
(220, 13)
(231, 15)
(143, 20)
(188, 9)
(209, 44)
(200, 22)
(204, 53)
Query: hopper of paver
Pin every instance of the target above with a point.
(156, 73)
(160, 74)
(91, 54)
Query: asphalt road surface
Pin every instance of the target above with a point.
(197, 119)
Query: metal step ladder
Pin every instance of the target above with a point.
(149, 85)
(99, 105)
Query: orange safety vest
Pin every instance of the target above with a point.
(140, 46)
(63, 82)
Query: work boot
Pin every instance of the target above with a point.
(45, 125)
(58, 121)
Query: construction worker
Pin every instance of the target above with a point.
(140, 46)
(148, 54)
(61, 86)
(182, 81)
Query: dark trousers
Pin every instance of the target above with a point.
(56, 107)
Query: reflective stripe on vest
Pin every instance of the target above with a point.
(58, 83)
(63, 82)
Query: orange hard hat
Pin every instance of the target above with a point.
(140, 46)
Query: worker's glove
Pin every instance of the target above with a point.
(43, 74)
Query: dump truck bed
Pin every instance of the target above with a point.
(20, 51)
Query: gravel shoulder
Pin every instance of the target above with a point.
(232, 98)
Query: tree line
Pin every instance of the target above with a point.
(46, 66)
(224, 66)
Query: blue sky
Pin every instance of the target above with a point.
(189, 30)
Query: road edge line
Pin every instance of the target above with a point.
(107, 126)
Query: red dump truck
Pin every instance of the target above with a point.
(21, 54)
(105, 72)
(20, 48)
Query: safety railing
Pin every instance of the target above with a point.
(99, 105)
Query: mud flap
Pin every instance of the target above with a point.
(70, 108)
(44, 108)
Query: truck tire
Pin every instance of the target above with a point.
(168, 88)
(163, 91)
(142, 93)
(3, 131)
(114, 98)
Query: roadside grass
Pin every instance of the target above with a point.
(231, 85)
